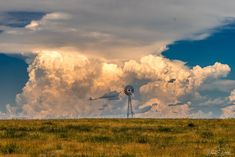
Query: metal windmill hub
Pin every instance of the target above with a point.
(129, 90)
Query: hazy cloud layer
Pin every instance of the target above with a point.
(113, 28)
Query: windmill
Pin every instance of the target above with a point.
(114, 95)
(129, 91)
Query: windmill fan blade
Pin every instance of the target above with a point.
(113, 95)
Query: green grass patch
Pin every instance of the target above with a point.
(118, 138)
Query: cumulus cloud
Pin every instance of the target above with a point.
(159, 109)
(158, 71)
(60, 84)
(219, 85)
(213, 72)
(228, 112)
(232, 96)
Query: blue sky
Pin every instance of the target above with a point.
(13, 77)
(19, 18)
(217, 47)
(13, 67)
(54, 56)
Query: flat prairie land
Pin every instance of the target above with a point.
(118, 138)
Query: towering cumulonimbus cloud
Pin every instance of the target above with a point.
(60, 84)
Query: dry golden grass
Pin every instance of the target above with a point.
(118, 138)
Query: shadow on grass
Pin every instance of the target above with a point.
(9, 148)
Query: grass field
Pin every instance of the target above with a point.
(117, 137)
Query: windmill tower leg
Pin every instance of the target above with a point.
(128, 107)
(132, 113)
